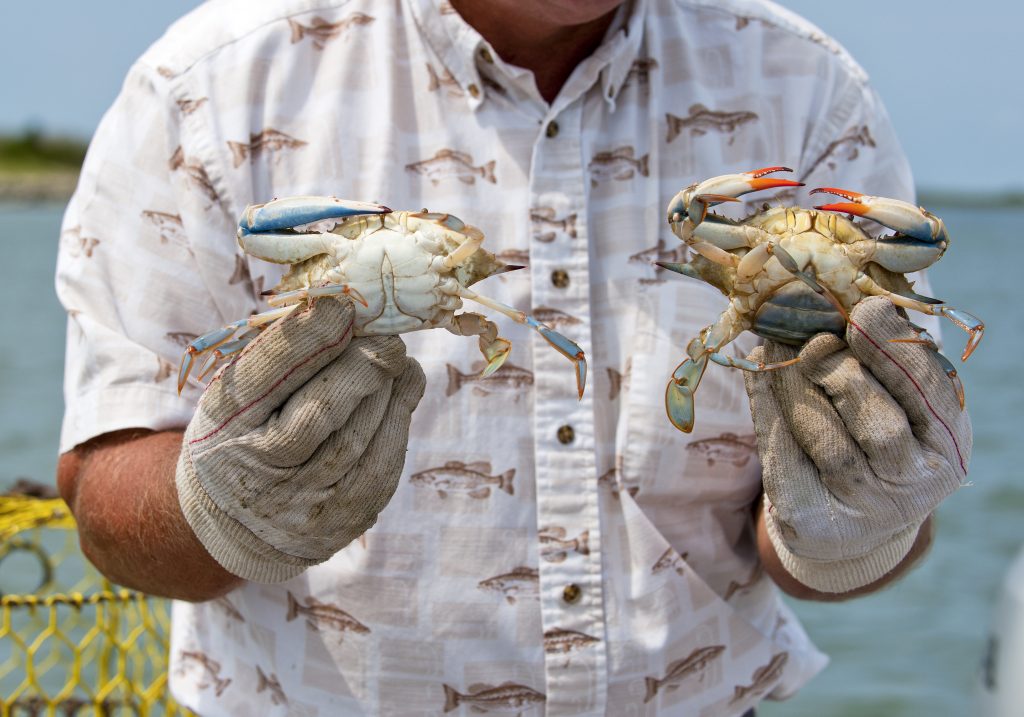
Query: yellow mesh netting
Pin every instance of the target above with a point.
(71, 643)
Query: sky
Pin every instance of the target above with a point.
(949, 73)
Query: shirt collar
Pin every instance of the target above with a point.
(473, 64)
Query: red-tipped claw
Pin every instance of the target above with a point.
(693, 202)
(757, 180)
(903, 217)
(855, 206)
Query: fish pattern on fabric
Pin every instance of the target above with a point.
(513, 489)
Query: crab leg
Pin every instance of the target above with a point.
(969, 323)
(921, 336)
(225, 350)
(494, 348)
(680, 389)
(293, 297)
(222, 336)
(711, 251)
(561, 344)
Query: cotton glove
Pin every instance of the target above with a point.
(859, 442)
(297, 445)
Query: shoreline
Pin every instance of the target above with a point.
(44, 186)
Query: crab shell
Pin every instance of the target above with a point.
(393, 261)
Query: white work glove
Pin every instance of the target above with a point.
(297, 445)
(857, 447)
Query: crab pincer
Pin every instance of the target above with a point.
(920, 240)
(694, 201)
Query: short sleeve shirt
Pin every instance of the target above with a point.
(543, 554)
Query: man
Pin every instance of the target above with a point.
(539, 552)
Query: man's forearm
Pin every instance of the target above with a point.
(793, 587)
(121, 489)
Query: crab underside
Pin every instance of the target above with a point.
(404, 271)
(790, 273)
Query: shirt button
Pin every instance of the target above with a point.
(552, 129)
(566, 435)
(560, 278)
(474, 91)
(571, 593)
(486, 56)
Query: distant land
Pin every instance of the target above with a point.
(36, 167)
(970, 198)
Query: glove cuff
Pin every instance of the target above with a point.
(844, 575)
(226, 540)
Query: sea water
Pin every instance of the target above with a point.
(912, 650)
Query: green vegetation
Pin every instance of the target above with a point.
(32, 151)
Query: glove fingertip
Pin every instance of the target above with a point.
(820, 346)
(388, 352)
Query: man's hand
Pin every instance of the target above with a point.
(297, 445)
(859, 442)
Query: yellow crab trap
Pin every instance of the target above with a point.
(71, 643)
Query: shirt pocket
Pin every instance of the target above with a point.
(661, 466)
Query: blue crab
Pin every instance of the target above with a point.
(790, 273)
(404, 271)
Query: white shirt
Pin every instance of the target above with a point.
(456, 599)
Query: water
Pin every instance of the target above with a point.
(915, 649)
(911, 650)
(31, 344)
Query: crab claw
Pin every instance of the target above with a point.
(695, 200)
(293, 212)
(903, 217)
(679, 392)
(495, 352)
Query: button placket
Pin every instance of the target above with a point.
(571, 589)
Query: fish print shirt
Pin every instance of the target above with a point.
(543, 554)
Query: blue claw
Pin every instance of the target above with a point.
(496, 352)
(680, 389)
(679, 406)
(296, 211)
(903, 217)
